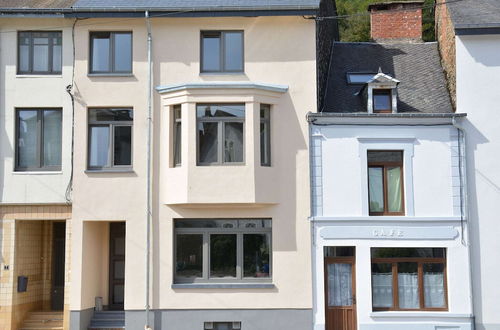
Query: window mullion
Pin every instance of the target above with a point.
(206, 256)
(421, 285)
(222, 48)
(239, 256)
(31, 52)
(395, 286)
(111, 52)
(40, 138)
(50, 42)
(221, 139)
(111, 148)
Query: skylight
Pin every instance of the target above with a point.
(356, 78)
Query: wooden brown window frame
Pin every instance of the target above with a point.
(395, 293)
(385, 166)
(382, 91)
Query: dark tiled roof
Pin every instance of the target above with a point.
(200, 4)
(474, 13)
(37, 4)
(417, 66)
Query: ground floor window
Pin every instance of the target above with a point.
(222, 250)
(409, 279)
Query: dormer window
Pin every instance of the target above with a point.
(359, 78)
(382, 100)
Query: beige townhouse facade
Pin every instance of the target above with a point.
(189, 123)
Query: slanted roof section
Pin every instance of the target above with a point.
(199, 5)
(381, 78)
(483, 15)
(36, 4)
(422, 87)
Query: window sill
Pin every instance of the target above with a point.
(128, 170)
(223, 286)
(48, 75)
(37, 172)
(110, 74)
(240, 73)
(418, 314)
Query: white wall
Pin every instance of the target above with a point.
(478, 94)
(42, 91)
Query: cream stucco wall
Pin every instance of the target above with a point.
(278, 50)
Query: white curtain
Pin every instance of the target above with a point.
(394, 189)
(408, 290)
(434, 289)
(339, 285)
(382, 289)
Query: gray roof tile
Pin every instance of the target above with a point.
(417, 66)
(475, 13)
(37, 4)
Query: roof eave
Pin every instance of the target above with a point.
(329, 118)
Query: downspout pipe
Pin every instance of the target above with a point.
(464, 201)
(148, 179)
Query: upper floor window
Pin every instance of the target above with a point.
(39, 52)
(38, 139)
(382, 100)
(110, 52)
(110, 138)
(177, 135)
(409, 279)
(222, 51)
(220, 133)
(265, 135)
(385, 182)
(222, 250)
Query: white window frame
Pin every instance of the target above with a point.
(404, 144)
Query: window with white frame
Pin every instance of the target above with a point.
(110, 139)
(220, 133)
(222, 250)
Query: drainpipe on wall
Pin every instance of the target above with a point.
(464, 203)
(148, 179)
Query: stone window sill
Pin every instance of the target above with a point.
(223, 286)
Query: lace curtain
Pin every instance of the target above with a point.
(339, 285)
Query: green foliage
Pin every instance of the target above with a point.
(357, 26)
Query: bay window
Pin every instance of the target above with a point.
(409, 279)
(222, 250)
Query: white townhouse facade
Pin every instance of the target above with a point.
(469, 34)
(174, 198)
(390, 239)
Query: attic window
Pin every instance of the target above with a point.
(382, 100)
(359, 78)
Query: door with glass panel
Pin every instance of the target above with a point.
(340, 288)
(116, 265)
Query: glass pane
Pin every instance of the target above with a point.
(119, 268)
(233, 56)
(123, 145)
(233, 142)
(27, 144)
(100, 52)
(394, 194)
(40, 57)
(408, 252)
(24, 58)
(256, 255)
(110, 115)
(376, 189)
(223, 326)
(434, 285)
(211, 53)
(385, 156)
(381, 101)
(222, 255)
(360, 78)
(220, 110)
(52, 137)
(207, 142)
(123, 52)
(178, 144)
(408, 285)
(339, 251)
(99, 146)
(57, 59)
(382, 285)
(265, 145)
(119, 246)
(189, 255)
(224, 224)
(339, 284)
(118, 293)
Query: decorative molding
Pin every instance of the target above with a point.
(389, 232)
(222, 85)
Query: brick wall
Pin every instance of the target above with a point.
(445, 34)
(396, 21)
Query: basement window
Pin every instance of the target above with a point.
(222, 326)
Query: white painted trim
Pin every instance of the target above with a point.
(418, 315)
(386, 143)
(378, 219)
(222, 85)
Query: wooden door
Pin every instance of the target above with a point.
(340, 293)
(58, 266)
(116, 265)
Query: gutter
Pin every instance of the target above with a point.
(464, 203)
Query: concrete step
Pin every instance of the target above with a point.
(107, 320)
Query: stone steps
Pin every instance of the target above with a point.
(43, 321)
(108, 320)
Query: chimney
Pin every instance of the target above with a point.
(396, 21)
